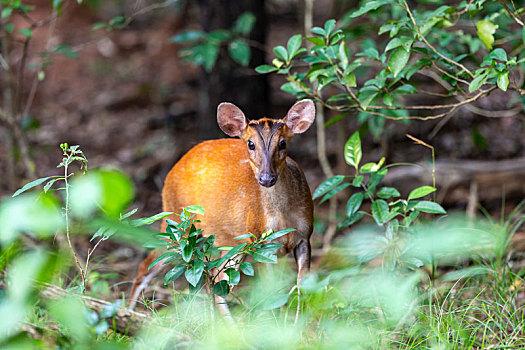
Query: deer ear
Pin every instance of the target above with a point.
(231, 119)
(300, 116)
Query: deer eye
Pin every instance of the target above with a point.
(251, 145)
(282, 144)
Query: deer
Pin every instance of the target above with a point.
(246, 184)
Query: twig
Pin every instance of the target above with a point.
(511, 13)
(146, 10)
(422, 143)
(407, 8)
(66, 214)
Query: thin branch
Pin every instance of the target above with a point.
(407, 8)
(146, 10)
(511, 13)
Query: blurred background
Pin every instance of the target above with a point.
(114, 77)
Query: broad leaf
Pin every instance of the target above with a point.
(429, 207)
(264, 256)
(352, 151)
(221, 288)
(486, 29)
(398, 60)
(31, 185)
(293, 45)
(234, 276)
(334, 191)
(388, 192)
(354, 203)
(240, 52)
(194, 274)
(327, 185)
(420, 192)
(174, 273)
(278, 234)
(380, 211)
(247, 268)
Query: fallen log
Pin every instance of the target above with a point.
(493, 178)
(126, 321)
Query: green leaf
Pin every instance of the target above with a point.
(329, 26)
(318, 31)
(174, 273)
(234, 276)
(247, 268)
(291, 88)
(334, 191)
(281, 53)
(6, 12)
(240, 52)
(293, 45)
(221, 288)
(244, 23)
(356, 182)
(352, 151)
(420, 192)
(388, 192)
(187, 251)
(265, 256)
(206, 55)
(195, 209)
(406, 89)
(350, 80)
(380, 211)
(350, 220)
(150, 220)
(161, 258)
(278, 234)
(503, 81)
(398, 60)
(194, 274)
(31, 185)
(429, 207)
(263, 69)
(367, 7)
(275, 301)
(354, 203)
(246, 235)
(499, 54)
(477, 82)
(327, 185)
(317, 41)
(27, 32)
(231, 253)
(403, 41)
(486, 29)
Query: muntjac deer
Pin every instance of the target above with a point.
(245, 185)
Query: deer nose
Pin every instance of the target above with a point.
(267, 180)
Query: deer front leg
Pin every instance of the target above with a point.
(302, 254)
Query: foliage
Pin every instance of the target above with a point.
(427, 41)
(205, 47)
(395, 214)
(202, 262)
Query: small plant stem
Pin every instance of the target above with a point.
(418, 141)
(66, 212)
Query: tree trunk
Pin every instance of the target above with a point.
(228, 81)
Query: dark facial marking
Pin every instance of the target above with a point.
(260, 126)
